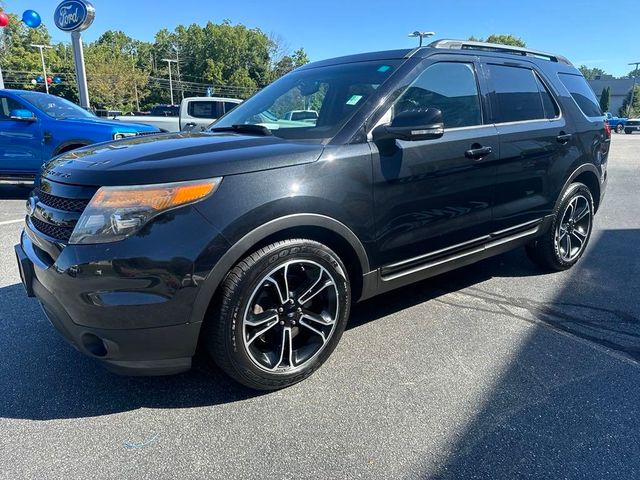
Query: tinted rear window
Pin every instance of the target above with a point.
(582, 94)
(516, 93)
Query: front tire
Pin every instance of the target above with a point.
(281, 313)
(620, 128)
(565, 242)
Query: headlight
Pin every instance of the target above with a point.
(114, 213)
(119, 135)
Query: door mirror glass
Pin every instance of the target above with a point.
(22, 114)
(412, 125)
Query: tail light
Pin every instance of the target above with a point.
(607, 128)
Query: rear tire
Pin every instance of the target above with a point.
(281, 313)
(565, 242)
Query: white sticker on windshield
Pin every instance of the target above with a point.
(354, 99)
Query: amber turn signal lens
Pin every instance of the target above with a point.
(157, 197)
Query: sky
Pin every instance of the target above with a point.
(595, 33)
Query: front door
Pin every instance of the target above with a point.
(21, 147)
(436, 194)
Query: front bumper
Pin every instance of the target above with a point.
(133, 317)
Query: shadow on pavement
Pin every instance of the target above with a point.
(14, 192)
(564, 409)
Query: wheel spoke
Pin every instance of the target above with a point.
(261, 332)
(317, 287)
(583, 213)
(316, 331)
(314, 317)
(579, 236)
(258, 319)
(568, 249)
(275, 283)
(282, 347)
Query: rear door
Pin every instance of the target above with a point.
(432, 195)
(534, 138)
(21, 147)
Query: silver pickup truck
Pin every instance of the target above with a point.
(196, 114)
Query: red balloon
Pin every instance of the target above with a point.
(49, 80)
(4, 19)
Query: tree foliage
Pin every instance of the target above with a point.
(591, 73)
(634, 112)
(229, 57)
(501, 39)
(605, 99)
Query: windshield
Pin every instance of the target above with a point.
(56, 107)
(312, 104)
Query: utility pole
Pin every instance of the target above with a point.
(169, 60)
(633, 89)
(135, 83)
(177, 49)
(44, 68)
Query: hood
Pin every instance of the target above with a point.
(176, 157)
(111, 124)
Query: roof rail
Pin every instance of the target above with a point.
(494, 47)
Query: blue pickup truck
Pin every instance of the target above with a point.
(35, 127)
(616, 123)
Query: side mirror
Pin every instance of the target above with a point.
(412, 125)
(22, 115)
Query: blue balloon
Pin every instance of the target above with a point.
(31, 18)
(57, 80)
(39, 79)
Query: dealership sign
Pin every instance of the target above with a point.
(74, 15)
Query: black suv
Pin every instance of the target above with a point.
(254, 238)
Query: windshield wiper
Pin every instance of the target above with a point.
(245, 128)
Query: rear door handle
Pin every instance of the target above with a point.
(478, 152)
(564, 138)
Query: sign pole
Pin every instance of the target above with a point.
(81, 75)
(1, 79)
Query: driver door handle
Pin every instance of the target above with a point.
(564, 138)
(46, 136)
(478, 152)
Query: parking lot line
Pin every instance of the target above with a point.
(9, 222)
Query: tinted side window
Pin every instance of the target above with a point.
(516, 94)
(203, 109)
(6, 105)
(582, 94)
(551, 109)
(449, 87)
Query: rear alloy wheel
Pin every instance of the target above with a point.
(565, 242)
(283, 311)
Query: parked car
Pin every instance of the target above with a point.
(632, 125)
(615, 123)
(254, 242)
(35, 127)
(193, 114)
(310, 116)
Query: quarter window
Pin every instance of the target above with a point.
(517, 96)
(582, 94)
(449, 87)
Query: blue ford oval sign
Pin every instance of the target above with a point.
(74, 15)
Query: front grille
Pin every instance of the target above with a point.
(633, 123)
(53, 231)
(61, 203)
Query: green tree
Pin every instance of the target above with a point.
(605, 99)
(634, 73)
(501, 39)
(591, 73)
(634, 111)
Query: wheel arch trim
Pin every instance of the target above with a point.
(584, 168)
(67, 143)
(255, 236)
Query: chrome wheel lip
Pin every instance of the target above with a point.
(574, 228)
(287, 331)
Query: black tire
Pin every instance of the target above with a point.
(227, 333)
(549, 251)
(620, 128)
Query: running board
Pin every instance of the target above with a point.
(463, 253)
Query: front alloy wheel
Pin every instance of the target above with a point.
(282, 312)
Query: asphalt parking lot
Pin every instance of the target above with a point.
(493, 371)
